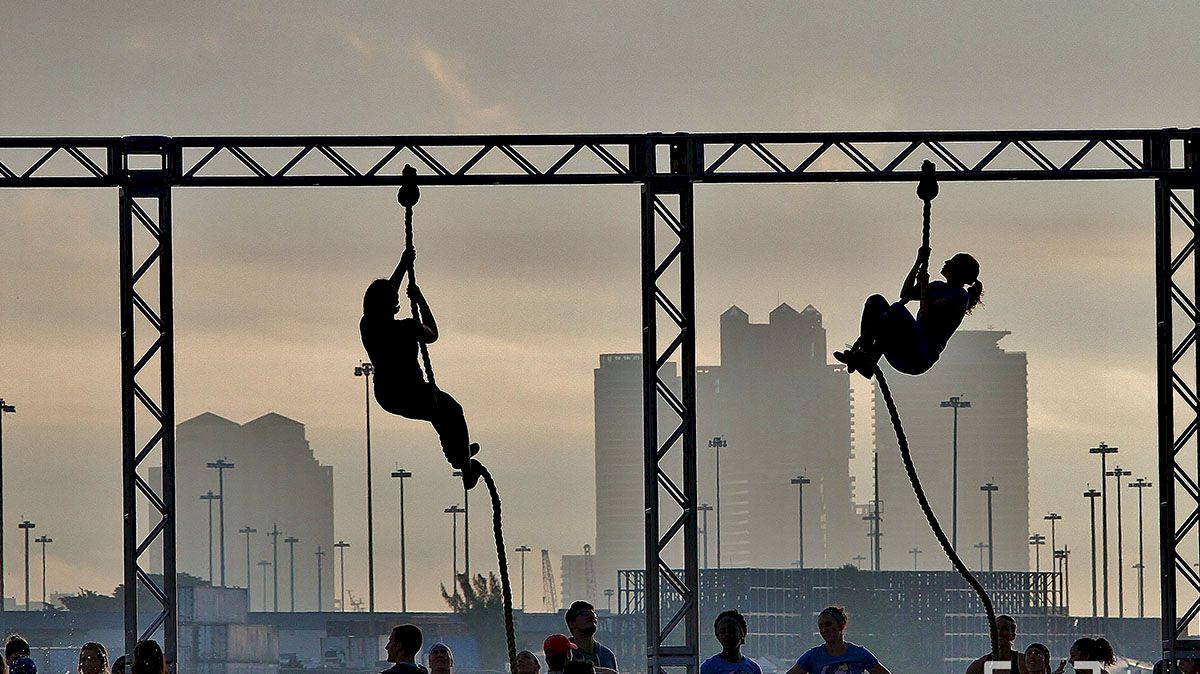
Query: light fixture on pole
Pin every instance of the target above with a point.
(1104, 450)
(800, 481)
(401, 475)
(1062, 556)
(859, 559)
(608, 593)
(221, 465)
(249, 530)
(292, 541)
(5, 408)
(341, 548)
(718, 443)
(466, 511)
(454, 511)
(26, 525)
(990, 488)
(523, 549)
(981, 546)
(274, 534)
(320, 579)
(1119, 473)
(1141, 484)
(263, 564)
(914, 552)
(365, 370)
(1053, 519)
(1091, 495)
(44, 540)
(210, 497)
(1037, 541)
(956, 403)
(704, 509)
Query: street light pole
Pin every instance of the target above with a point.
(341, 548)
(43, 540)
(320, 588)
(263, 564)
(981, 546)
(718, 443)
(249, 530)
(989, 488)
(274, 534)
(1104, 450)
(704, 508)
(292, 541)
(914, 552)
(466, 511)
(5, 408)
(956, 403)
(800, 481)
(26, 525)
(1037, 541)
(859, 559)
(608, 592)
(1141, 484)
(1063, 555)
(210, 497)
(453, 511)
(523, 549)
(1119, 473)
(1053, 519)
(1091, 495)
(365, 370)
(221, 465)
(401, 475)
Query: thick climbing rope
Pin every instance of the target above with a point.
(408, 195)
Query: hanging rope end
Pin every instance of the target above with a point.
(927, 188)
(409, 194)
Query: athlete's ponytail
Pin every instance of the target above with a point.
(974, 294)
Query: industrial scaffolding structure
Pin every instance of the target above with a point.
(146, 170)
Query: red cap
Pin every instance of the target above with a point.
(557, 644)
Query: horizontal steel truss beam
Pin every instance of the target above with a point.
(265, 161)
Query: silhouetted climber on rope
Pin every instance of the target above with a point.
(913, 345)
(395, 347)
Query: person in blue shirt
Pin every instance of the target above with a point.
(730, 630)
(836, 655)
(913, 345)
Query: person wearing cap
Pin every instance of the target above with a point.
(402, 647)
(558, 649)
(441, 659)
(581, 620)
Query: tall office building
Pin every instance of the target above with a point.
(783, 411)
(993, 446)
(276, 482)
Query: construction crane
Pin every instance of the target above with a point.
(589, 574)
(549, 589)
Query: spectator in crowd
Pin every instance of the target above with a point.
(93, 658)
(148, 658)
(1089, 649)
(1006, 633)
(1184, 666)
(441, 659)
(581, 620)
(23, 665)
(730, 630)
(579, 667)
(119, 666)
(527, 663)
(836, 655)
(15, 647)
(402, 647)
(1037, 659)
(557, 649)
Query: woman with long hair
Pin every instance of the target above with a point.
(836, 655)
(93, 658)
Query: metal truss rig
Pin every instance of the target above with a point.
(667, 167)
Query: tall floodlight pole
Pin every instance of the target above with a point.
(453, 511)
(466, 511)
(210, 497)
(800, 481)
(1104, 450)
(26, 525)
(981, 546)
(401, 475)
(914, 552)
(1139, 485)
(365, 370)
(608, 592)
(248, 530)
(523, 549)
(221, 465)
(718, 443)
(341, 546)
(1053, 519)
(274, 534)
(1091, 495)
(320, 588)
(1062, 556)
(1119, 473)
(704, 509)
(5, 408)
(989, 488)
(263, 564)
(292, 541)
(860, 559)
(43, 540)
(956, 403)
(1037, 541)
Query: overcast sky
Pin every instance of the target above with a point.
(531, 284)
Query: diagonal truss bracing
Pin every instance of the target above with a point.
(667, 167)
